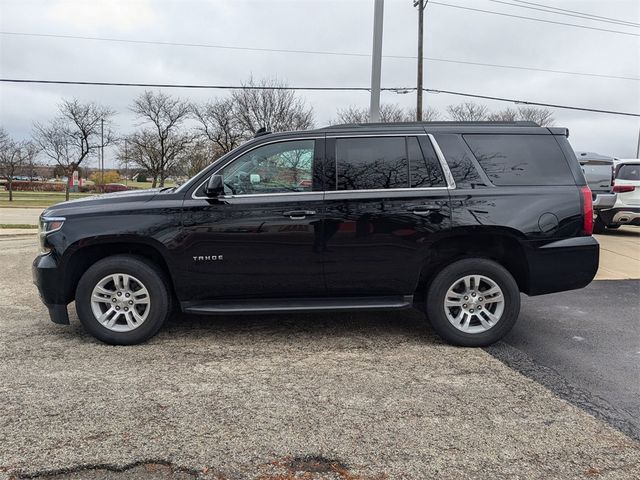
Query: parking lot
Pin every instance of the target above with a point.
(352, 396)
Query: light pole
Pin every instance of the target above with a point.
(421, 4)
(376, 61)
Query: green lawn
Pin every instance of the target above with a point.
(45, 199)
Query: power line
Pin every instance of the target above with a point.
(361, 89)
(581, 13)
(314, 52)
(547, 9)
(534, 19)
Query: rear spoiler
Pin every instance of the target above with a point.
(559, 131)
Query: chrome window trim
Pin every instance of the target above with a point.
(364, 135)
(451, 183)
(280, 140)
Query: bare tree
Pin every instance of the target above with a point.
(271, 105)
(220, 125)
(75, 135)
(13, 157)
(541, 115)
(196, 157)
(159, 145)
(389, 112)
(468, 112)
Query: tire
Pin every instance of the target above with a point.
(598, 225)
(481, 329)
(143, 292)
(613, 227)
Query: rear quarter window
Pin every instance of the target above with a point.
(521, 159)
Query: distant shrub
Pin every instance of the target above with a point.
(21, 186)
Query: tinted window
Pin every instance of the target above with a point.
(424, 167)
(460, 163)
(371, 163)
(629, 172)
(274, 168)
(521, 159)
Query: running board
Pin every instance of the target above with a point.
(298, 305)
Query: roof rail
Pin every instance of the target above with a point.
(434, 124)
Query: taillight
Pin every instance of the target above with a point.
(587, 210)
(623, 188)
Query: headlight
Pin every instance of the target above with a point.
(46, 226)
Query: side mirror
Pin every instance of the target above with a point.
(215, 186)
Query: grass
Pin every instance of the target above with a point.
(46, 199)
(17, 225)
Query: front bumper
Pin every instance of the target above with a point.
(621, 216)
(562, 265)
(49, 280)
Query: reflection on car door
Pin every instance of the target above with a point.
(386, 202)
(264, 232)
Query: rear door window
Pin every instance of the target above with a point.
(371, 163)
(629, 172)
(424, 167)
(521, 159)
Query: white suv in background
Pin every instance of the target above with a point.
(626, 210)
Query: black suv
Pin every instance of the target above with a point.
(456, 218)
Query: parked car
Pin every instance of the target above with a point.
(626, 210)
(599, 172)
(457, 218)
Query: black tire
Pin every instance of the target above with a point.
(151, 277)
(613, 227)
(437, 292)
(598, 225)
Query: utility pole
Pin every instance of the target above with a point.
(102, 151)
(376, 61)
(421, 4)
(638, 147)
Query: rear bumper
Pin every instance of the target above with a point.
(621, 216)
(563, 265)
(604, 201)
(49, 280)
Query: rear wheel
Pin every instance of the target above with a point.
(598, 225)
(473, 302)
(123, 300)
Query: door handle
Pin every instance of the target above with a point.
(424, 209)
(299, 214)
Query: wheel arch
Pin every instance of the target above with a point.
(83, 254)
(502, 245)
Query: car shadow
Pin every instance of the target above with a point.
(624, 231)
(403, 325)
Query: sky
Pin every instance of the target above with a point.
(334, 26)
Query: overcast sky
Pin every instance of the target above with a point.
(337, 26)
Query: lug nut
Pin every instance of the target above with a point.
(126, 309)
(473, 294)
(464, 305)
(130, 302)
(127, 295)
(466, 298)
(117, 308)
(119, 294)
(480, 299)
(479, 307)
(471, 311)
(114, 300)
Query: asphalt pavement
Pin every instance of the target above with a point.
(590, 338)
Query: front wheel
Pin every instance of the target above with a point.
(473, 302)
(123, 300)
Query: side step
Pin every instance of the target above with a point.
(298, 305)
